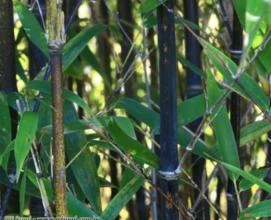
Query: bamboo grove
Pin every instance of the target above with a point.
(135, 109)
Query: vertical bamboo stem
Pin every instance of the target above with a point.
(236, 53)
(56, 40)
(194, 88)
(168, 107)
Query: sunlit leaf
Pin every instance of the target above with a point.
(222, 128)
(32, 28)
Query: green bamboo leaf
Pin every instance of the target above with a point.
(151, 118)
(259, 210)
(248, 89)
(140, 112)
(189, 65)
(131, 146)
(5, 124)
(126, 126)
(246, 175)
(254, 131)
(264, 57)
(5, 156)
(222, 128)
(45, 87)
(122, 198)
(260, 173)
(253, 17)
(240, 8)
(75, 206)
(76, 45)
(22, 194)
(201, 148)
(127, 175)
(188, 113)
(78, 208)
(32, 28)
(149, 5)
(25, 136)
(84, 167)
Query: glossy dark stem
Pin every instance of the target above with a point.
(168, 107)
(236, 53)
(194, 88)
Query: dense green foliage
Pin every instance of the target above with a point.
(128, 123)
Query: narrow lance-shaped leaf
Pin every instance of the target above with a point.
(246, 175)
(131, 146)
(32, 27)
(45, 88)
(83, 167)
(248, 88)
(25, 136)
(76, 45)
(223, 130)
(259, 210)
(254, 130)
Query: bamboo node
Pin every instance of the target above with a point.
(56, 46)
(170, 175)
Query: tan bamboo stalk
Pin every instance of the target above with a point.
(56, 41)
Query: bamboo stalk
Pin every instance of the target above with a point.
(236, 53)
(56, 40)
(194, 88)
(168, 109)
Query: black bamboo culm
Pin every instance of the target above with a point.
(194, 88)
(8, 85)
(236, 53)
(168, 170)
(137, 209)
